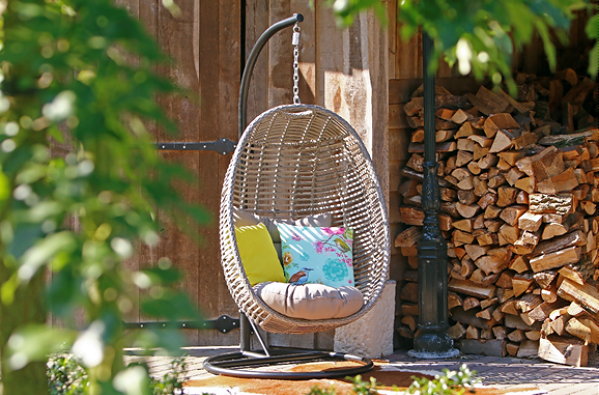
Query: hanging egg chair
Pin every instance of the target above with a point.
(291, 162)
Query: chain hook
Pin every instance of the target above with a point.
(295, 41)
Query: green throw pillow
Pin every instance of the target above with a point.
(258, 254)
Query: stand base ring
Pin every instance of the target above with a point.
(238, 364)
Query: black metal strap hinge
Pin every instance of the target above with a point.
(223, 324)
(222, 146)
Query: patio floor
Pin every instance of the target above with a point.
(548, 377)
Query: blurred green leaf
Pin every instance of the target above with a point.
(43, 251)
(36, 342)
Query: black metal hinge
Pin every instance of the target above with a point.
(223, 324)
(222, 146)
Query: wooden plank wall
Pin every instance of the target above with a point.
(204, 43)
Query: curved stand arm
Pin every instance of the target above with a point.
(251, 62)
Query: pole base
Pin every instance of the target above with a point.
(451, 353)
(432, 343)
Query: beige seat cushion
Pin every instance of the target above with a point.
(310, 301)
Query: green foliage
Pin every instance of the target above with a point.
(450, 383)
(592, 30)
(67, 377)
(81, 183)
(316, 390)
(363, 387)
(481, 36)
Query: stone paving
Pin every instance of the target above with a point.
(551, 378)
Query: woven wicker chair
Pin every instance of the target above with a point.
(291, 162)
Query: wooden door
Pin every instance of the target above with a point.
(204, 44)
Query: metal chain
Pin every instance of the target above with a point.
(295, 41)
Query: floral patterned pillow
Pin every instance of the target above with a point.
(317, 255)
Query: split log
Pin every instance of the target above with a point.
(555, 259)
(469, 288)
(506, 196)
(485, 314)
(528, 349)
(544, 203)
(571, 274)
(488, 102)
(530, 221)
(545, 278)
(564, 351)
(525, 243)
(508, 234)
(553, 229)
(549, 295)
(456, 331)
(563, 182)
(408, 237)
(499, 332)
(584, 329)
(503, 140)
(519, 264)
(482, 141)
(512, 349)
(470, 303)
(511, 214)
(463, 158)
(521, 282)
(463, 225)
(587, 295)
(475, 251)
(516, 336)
(493, 348)
(492, 212)
(505, 279)
(467, 211)
(491, 264)
(541, 311)
(460, 116)
(528, 302)
(513, 175)
(499, 121)
(526, 184)
(515, 322)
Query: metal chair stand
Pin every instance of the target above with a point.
(247, 363)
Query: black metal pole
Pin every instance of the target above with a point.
(251, 62)
(432, 340)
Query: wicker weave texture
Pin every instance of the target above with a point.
(293, 161)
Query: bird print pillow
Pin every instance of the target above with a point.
(317, 255)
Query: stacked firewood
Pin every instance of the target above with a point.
(519, 194)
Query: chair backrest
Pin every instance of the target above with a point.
(291, 162)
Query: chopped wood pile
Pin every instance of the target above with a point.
(519, 189)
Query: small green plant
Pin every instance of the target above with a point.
(172, 381)
(316, 390)
(362, 387)
(449, 383)
(67, 377)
